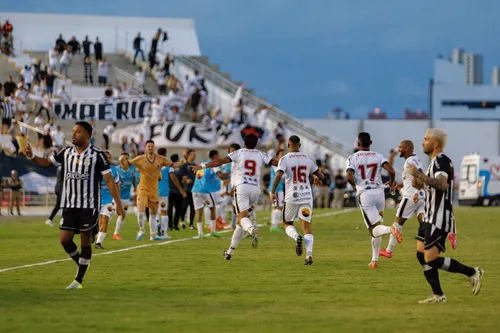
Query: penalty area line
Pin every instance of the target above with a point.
(338, 212)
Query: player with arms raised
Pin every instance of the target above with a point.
(247, 164)
(297, 167)
(413, 199)
(149, 165)
(363, 173)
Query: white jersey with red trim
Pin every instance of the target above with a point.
(408, 190)
(297, 167)
(246, 166)
(367, 167)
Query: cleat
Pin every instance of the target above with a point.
(190, 227)
(99, 246)
(453, 240)
(276, 229)
(226, 255)
(373, 264)
(477, 280)
(155, 238)
(386, 254)
(183, 225)
(117, 237)
(255, 237)
(299, 248)
(308, 261)
(215, 234)
(164, 237)
(397, 234)
(434, 299)
(49, 223)
(75, 285)
(139, 236)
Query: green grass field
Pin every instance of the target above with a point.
(188, 287)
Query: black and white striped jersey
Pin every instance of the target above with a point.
(438, 204)
(7, 110)
(81, 176)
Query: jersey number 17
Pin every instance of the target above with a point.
(372, 167)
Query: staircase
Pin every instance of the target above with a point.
(76, 74)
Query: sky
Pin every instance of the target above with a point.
(309, 57)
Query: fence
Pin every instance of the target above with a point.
(123, 76)
(32, 203)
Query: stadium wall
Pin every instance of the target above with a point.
(463, 136)
(116, 33)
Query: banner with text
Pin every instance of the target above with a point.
(131, 109)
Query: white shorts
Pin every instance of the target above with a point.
(280, 199)
(371, 202)
(164, 204)
(201, 200)
(245, 195)
(301, 210)
(107, 209)
(407, 207)
(125, 205)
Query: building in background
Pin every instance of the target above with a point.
(473, 65)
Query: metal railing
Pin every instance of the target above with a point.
(123, 76)
(276, 114)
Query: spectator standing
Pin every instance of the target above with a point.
(187, 175)
(86, 46)
(324, 189)
(142, 144)
(65, 60)
(75, 45)
(58, 192)
(167, 63)
(53, 58)
(140, 78)
(60, 44)
(176, 198)
(49, 82)
(102, 72)
(162, 84)
(9, 86)
(15, 184)
(106, 134)
(87, 69)
(338, 192)
(98, 49)
(94, 132)
(195, 103)
(45, 101)
(63, 95)
(27, 75)
(58, 137)
(137, 47)
(125, 145)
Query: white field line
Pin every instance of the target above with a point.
(338, 212)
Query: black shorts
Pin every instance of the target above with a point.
(103, 79)
(430, 237)
(7, 121)
(79, 219)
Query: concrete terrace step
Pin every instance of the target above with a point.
(8, 68)
(76, 72)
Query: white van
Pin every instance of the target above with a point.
(479, 183)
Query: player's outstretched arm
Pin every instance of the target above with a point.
(113, 189)
(212, 164)
(277, 179)
(274, 162)
(134, 160)
(392, 174)
(39, 161)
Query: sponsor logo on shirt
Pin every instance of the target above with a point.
(77, 176)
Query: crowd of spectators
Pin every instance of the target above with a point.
(6, 39)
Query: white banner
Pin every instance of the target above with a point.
(132, 109)
(184, 134)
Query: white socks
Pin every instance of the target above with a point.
(246, 224)
(164, 224)
(275, 218)
(219, 210)
(213, 225)
(237, 236)
(292, 233)
(152, 226)
(119, 223)
(309, 241)
(376, 241)
(392, 239)
(199, 225)
(141, 219)
(381, 230)
(100, 237)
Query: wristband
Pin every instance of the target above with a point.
(203, 165)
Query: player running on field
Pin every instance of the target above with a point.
(363, 173)
(439, 219)
(206, 193)
(167, 175)
(246, 170)
(413, 199)
(280, 195)
(297, 167)
(149, 165)
(126, 180)
(106, 204)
